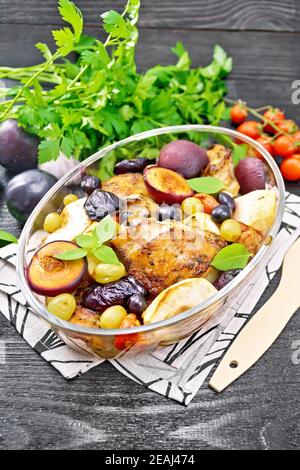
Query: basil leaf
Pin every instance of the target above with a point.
(239, 152)
(206, 184)
(106, 229)
(233, 256)
(7, 237)
(106, 255)
(70, 255)
(85, 241)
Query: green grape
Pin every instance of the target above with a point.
(52, 222)
(69, 198)
(108, 272)
(112, 317)
(230, 230)
(62, 306)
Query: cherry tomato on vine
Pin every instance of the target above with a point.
(290, 168)
(274, 115)
(238, 113)
(250, 128)
(265, 141)
(287, 125)
(296, 138)
(284, 146)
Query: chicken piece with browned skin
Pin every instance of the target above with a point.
(85, 317)
(251, 239)
(221, 166)
(160, 254)
(136, 199)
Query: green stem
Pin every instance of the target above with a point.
(28, 83)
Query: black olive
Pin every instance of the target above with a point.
(169, 212)
(221, 213)
(227, 200)
(101, 297)
(137, 304)
(226, 277)
(136, 165)
(90, 183)
(101, 203)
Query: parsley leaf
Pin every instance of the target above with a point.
(72, 15)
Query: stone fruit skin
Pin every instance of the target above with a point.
(166, 186)
(136, 165)
(101, 203)
(184, 157)
(18, 150)
(251, 175)
(226, 277)
(49, 276)
(137, 304)
(99, 298)
(90, 183)
(225, 198)
(25, 190)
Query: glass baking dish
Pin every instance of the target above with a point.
(102, 341)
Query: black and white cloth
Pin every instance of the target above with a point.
(177, 371)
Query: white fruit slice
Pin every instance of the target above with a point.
(178, 298)
(74, 222)
(256, 209)
(202, 221)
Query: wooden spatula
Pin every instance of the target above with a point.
(266, 325)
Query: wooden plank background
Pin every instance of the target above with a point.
(103, 409)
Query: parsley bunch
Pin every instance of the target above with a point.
(78, 106)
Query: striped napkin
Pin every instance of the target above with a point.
(177, 371)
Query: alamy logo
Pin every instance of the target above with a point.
(296, 93)
(296, 353)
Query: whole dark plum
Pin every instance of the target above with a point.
(101, 297)
(221, 213)
(137, 304)
(18, 150)
(184, 157)
(251, 174)
(101, 203)
(136, 165)
(225, 278)
(25, 190)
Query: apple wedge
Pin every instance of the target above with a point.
(178, 298)
(256, 209)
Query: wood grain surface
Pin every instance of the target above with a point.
(103, 409)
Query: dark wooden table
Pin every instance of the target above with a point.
(103, 409)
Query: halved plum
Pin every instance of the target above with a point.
(50, 276)
(165, 185)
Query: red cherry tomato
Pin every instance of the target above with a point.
(274, 115)
(290, 168)
(250, 128)
(238, 113)
(284, 146)
(296, 138)
(287, 125)
(265, 141)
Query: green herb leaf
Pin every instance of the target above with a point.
(233, 256)
(106, 229)
(70, 255)
(48, 150)
(72, 15)
(239, 152)
(86, 241)
(106, 255)
(114, 24)
(7, 237)
(206, 184)
(64, 39)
